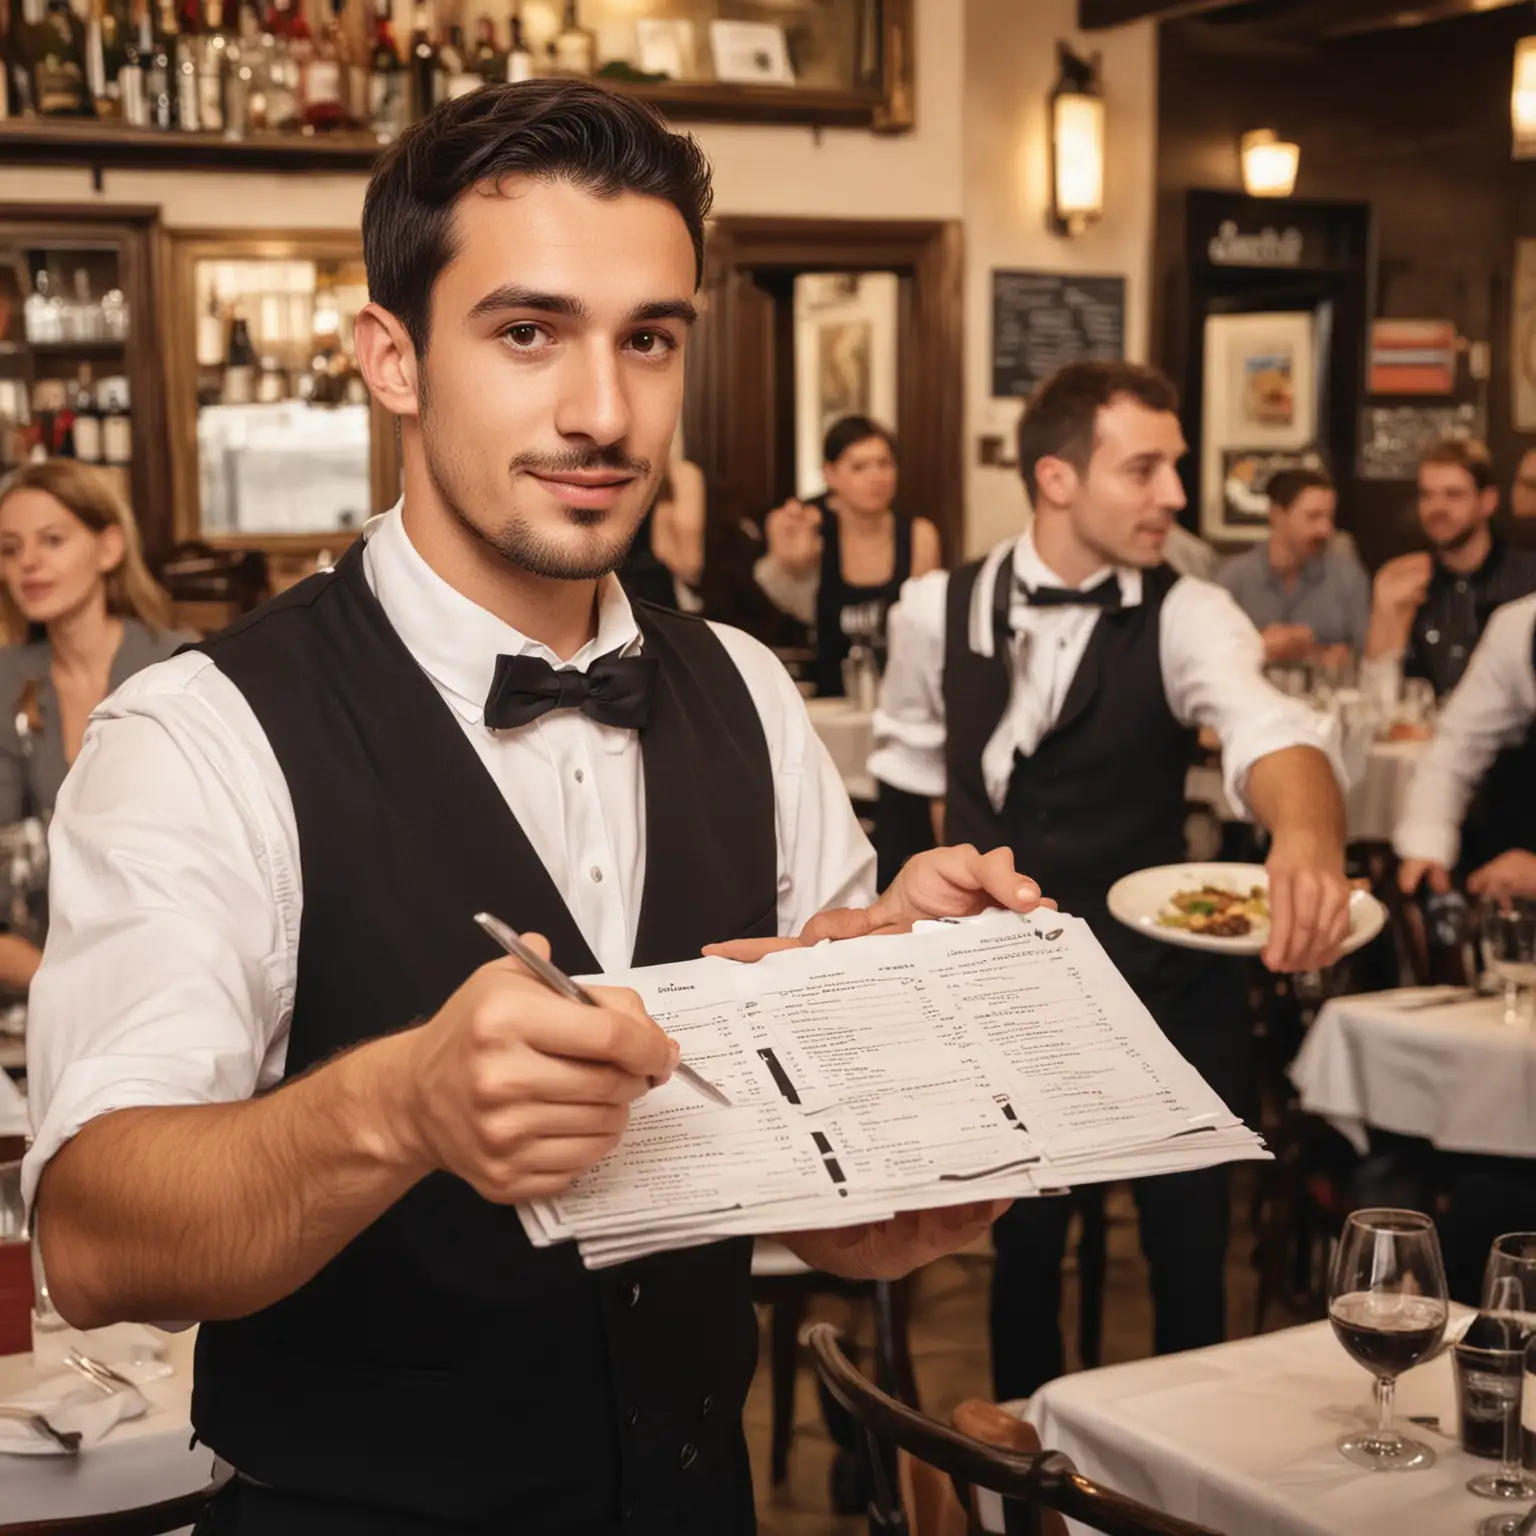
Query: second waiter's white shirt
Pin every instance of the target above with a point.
(176, 890)
(1492, 707)
(1212, 665)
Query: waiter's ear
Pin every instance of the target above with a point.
(1056, 478)
(387, 360)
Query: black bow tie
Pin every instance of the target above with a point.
(1105, 595)
(614, 690)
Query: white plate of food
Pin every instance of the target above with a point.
(1223, 908)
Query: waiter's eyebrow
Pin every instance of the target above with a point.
(511, 296)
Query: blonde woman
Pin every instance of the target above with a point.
(83, 614)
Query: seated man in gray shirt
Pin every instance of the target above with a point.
(1309, 600)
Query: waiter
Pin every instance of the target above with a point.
(281, 1086)
(1051, 694)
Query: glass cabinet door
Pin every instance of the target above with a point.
(278, 442)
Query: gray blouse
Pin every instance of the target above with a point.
(30, 780)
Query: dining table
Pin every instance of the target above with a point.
(1241, 1438)
(141, 1461)
(1439, 1064)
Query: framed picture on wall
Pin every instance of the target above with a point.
(666, 48)
(750, 53)
(844, 372)
(1523, 351)
(1261, 414)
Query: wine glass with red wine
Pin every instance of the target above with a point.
(1388, 1304)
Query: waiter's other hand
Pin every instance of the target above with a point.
(1308, 903)
(887, 1250)
(1288, 642)
(793, 536)
(1507, 877)
(1401, 584)
(516, 1090)
(941, 882)
(1412, 873)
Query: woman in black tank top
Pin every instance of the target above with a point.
(843, 557)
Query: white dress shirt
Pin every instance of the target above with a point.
(1212, 663)
(1491, 708)
(176, 891)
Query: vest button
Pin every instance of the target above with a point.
(706, 1408)
(687, 1456)
(632, 1294)
(631, 1416)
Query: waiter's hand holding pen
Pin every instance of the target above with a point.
(516, 1090)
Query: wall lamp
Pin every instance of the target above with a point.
(1077, 143)
(1269, 164)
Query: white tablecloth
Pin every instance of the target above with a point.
(849, 736)
(1456, 1075)
(137, 1463)
(1241, 1438)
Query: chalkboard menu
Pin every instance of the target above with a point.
(1044, 320)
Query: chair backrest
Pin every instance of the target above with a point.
(1029, 1482)
(147, 1520)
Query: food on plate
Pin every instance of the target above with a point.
(1217, 912)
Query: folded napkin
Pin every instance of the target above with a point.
(70, 1403)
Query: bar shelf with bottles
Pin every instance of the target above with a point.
(74, 366)
(275, 442)
(327, 82)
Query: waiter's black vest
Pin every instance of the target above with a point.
(1503, 813)
(440, 1364)
(1103, 793)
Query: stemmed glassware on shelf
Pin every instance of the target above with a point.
(1388, 1304)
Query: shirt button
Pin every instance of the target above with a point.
(1433, 636)
(1461, 586)
(687, 1456)
(581, 777)
(706, 1408)
(597, 875)
(631, 1417)
(632, 1294)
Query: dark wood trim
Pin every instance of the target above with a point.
(734, 403)
(134, 232)
(183, 249)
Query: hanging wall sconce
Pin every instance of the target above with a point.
(1077, 144)
(1522, 100)
(1269, 165)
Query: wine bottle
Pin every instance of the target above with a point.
(389, 98)
(116, 424)
(87, 418)
(59, 86)
(488, 63)
(458, 76)
(322, 77)
(280, 72)
(182, 44)
(239, 387)
(426, 66)
(575, 46)
(212, 68)
(155, 50)
(519, 58)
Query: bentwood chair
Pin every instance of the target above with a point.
(1031, 1484)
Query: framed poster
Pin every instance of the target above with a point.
(844, 369)
(750, 53)
(1260, 416)
(1413, 357)
(1523, 352)
(666, 48)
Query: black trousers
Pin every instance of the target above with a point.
(724, 1508)
(1201, 1004)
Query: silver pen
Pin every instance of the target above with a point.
(557, 981)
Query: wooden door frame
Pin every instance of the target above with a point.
(734, 401)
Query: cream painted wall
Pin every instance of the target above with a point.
(1010, 66)
(841, 173)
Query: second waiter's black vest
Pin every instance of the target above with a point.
(440, 1365)
(1103, 793)
(1502, 815)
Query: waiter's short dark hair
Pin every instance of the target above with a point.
(844, 433)
(1060, 417)
(552, 130)
(1464, 453)
(1287, 485)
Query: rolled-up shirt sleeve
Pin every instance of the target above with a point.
(1491, 708)
(167, 976)
(909, 723)
(1213, 673)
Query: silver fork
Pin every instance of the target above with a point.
(68, 1440)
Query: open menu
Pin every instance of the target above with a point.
(996, 1057)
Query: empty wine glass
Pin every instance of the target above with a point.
(1508, 929)
(1499, 1371)
(1388, 1304)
